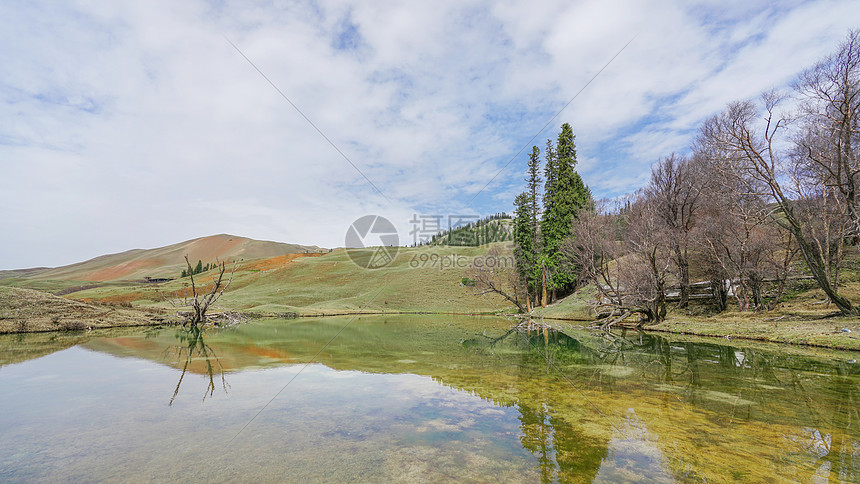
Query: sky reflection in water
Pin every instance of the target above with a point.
(422, 398)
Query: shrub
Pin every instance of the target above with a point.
(75, 326)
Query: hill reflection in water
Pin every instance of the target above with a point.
(428, 397)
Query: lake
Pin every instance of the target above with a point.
(421, 398)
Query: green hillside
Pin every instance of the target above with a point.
(421, 279)
(496, 228)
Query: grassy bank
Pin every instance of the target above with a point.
(802, 320)
(30, 311)
(822, 331)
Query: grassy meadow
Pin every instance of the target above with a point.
(421, 279)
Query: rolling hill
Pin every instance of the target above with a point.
(163, 262)
(419, 279)
(273, 278)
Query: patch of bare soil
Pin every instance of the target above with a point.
(120, 271)
(275, 262)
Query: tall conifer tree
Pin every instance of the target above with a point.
(523, 243)
(565, 196)
(533, 183)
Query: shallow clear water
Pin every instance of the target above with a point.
(421, 398)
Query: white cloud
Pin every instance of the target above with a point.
(136, 124)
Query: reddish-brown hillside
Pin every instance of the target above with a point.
(169, 261)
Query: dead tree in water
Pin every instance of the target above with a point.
(200, 303)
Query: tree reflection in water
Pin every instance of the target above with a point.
(564, 451)
(193, 348)
(737, 387)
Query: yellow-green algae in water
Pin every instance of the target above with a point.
(433, 398)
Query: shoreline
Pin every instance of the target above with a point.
(795, 332)
(809, 334)
(30, 311)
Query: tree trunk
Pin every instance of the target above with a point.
(819, 270)
(683, 276)
(755, 284)
(840, 249)
(660, 301)
(783, 277)
(543, 286)
(719, 293)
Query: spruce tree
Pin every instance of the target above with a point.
(565, 196)
(533, 182)
(523, 243)
(551, 173)
(199, 268)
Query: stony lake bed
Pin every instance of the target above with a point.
(422, 398)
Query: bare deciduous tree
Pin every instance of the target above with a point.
(630, 276)
(644, 275)
(495, 274)
(831, 90)
(675, 189)
(594, 249)
(741, 237)
(201, 302)
(823, 209)
(745, 148)
(742, 246)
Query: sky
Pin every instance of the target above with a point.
(141, 124)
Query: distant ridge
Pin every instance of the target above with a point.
(163, 262)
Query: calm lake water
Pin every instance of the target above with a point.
(420, 398)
